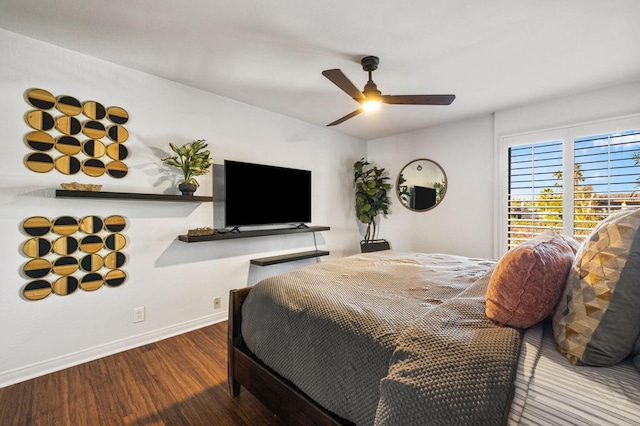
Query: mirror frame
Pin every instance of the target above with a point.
(444, 176)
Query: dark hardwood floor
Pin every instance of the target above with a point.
(177, 381)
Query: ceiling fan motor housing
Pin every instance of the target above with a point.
(370, 63)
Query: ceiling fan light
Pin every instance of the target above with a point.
(371, 105)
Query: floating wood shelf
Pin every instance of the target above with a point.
(290, 257)
(249, 234)
(63, 193)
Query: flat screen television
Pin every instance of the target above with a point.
(259, 194)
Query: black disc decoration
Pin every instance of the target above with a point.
(93, 129)
(117, 151)
(41, 99)
(68, 165)
(117, 169)
(37, 268)
(65, 225)
(65, 245)
(65, 285)
(115, 223)
(39, 162)
(69, 105)
(93, 148)
(37, 226)
(94, 110)
(36, 247)
(65, 265)
(91, 282)
(40, 141)
(91, 262)
(91, 244)
(117, 115)
(115, 259)
(115, 241)
(117, 133)
(115, 278)
(40, 120)
(68, 145)
(93, 167)
(68, 125)
(36, 290)
(91, 224)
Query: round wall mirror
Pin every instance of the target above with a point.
(421, 185)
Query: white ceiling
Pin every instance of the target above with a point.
(491, 54)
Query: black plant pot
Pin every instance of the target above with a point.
(187, 188)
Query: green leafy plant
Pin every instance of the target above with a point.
(191, 159)
(371, 195)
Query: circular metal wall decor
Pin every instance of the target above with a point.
(94, 110)
(91, 262)
(91, 282)
(36, 290)
(40, 141)
(93, 167)
(65, 246)
(117, 151)
(40, 120)
(115, 223)
(65, 225)
(65, 265)
(68, 145)
(115, 259)
(115, 278)
(117, 169)
(37, 268)
(91, 224)
(117, 133)
(37, 226)
(36, 247)
(65, 285)
(39, 162)
(117, 115)
(93, 129)
(93, 148)
(91, 244)
(67, 165)
(68, 125)
(41, 99)
(115, 241)
(69, 105)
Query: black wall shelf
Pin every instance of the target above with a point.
(249, 234)
(63, 193)
(273, 260)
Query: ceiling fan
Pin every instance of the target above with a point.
(371, 98)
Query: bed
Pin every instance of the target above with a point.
(397, 338)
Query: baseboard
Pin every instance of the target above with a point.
(60, 363)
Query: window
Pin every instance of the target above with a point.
(569, 179)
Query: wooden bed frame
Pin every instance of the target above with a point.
(279, 395)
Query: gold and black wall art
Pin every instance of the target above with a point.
(72, 136)
(67, 253)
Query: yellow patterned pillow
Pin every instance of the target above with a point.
(597, 320)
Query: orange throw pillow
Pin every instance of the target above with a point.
(528, 280)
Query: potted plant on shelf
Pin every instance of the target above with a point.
(371, 201)
(193, 160)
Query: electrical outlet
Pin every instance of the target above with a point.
(217, 303)
(138, 314)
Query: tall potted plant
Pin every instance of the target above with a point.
(371, 196)
(193, 160)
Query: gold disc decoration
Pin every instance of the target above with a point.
(114, 260)
(93, 167)
(91, 224)
(68, 165)
(93, 148)
(40, 120)
(65, 265)
(93, 129)
(37, 226)
(68, 145)
(117, 151)
(68, 125)
(115, 241)
(69, 105)
(65, 245)
(117, 115)
(91, 282)
(91, 244)
(39, 162)
(117, 169)
(37, 268)
(65, 285)
(36, 247)
(94, 110)
(40, 141)
(36, 290)
(65, 225)
(117, 133)
(91, 262)
(41, 99)
(115, 223)
(115, 278)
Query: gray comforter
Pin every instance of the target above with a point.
(387, 338)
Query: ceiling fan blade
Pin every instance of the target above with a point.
(418, 99)
(346, 117)
(339, 79)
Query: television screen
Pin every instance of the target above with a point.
(258, 194)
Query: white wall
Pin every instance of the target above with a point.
(175, 281)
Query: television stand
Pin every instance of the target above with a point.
(302, 226)
(234, 229)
